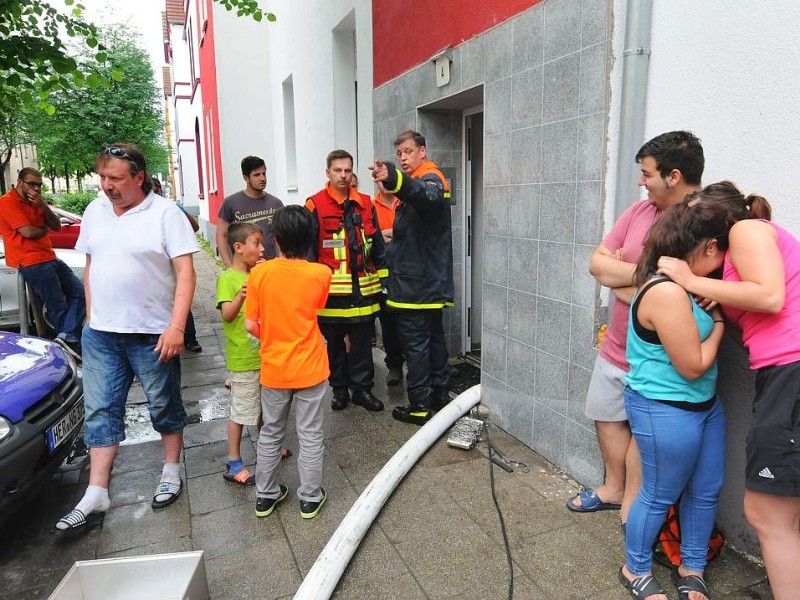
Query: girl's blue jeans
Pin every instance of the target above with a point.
(683, 456)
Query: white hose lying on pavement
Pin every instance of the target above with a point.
(332, 561)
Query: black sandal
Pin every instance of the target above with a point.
(641, 587)
(77, 522)
(688, 584)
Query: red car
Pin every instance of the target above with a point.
(70, 229)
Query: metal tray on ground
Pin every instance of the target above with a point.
(176, 576)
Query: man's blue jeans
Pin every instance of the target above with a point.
(110, 362)
(62, 294)
(683, 452)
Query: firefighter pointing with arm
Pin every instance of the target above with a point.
(349, 242)
(420, 260)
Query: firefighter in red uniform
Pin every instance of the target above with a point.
(420, 260)
(349, 241)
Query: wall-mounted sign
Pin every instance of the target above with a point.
(442, 65)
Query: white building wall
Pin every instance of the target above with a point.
(299, 44)
(184, 112)
(195, 13)
(730, 75)
(244, 105)
(23, 155)
(187, 180)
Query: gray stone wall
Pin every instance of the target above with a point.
(735, 389)
(544, 77)
(546, 104)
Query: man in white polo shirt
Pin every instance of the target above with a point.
(139, 282)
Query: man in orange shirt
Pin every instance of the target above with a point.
(283, 297)
(25, 221)
(385, 205)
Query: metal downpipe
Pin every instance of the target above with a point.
(635, 68)
(326, 571)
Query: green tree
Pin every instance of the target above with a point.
(35, 59)
(85, 119)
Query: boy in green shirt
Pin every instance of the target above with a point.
(241, 349)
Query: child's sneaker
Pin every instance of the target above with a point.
(309, 510)
(265, 506)
(243, 476)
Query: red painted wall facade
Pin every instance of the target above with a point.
(408, 33)
(208, 67)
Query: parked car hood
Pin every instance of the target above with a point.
(30, 368)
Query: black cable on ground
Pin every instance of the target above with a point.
(493, 450)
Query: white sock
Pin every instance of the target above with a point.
(94, 500)
(171, 473)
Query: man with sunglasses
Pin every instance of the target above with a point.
(140, 280)
(25, 222)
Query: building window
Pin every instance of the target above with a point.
(289, 136)
(190, 41)
(211, 137)
(199, 150)
(180, 178)
(203, 19)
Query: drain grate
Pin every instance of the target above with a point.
(463, 376)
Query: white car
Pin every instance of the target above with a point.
(9, 291)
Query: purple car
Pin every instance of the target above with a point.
(41, 414)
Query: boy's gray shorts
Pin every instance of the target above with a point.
(605, 400)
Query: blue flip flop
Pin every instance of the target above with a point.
(590, 502)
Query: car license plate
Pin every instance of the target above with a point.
(66, 425)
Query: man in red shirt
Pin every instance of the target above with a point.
(25, 221)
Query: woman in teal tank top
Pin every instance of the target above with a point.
(671, 403)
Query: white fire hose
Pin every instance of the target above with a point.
(326, 571)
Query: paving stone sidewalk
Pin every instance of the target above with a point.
(437, 537)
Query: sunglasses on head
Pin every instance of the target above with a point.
(118, 152)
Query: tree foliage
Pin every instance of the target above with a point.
(34, 58)
(86, 119)
(247, 8)
(36, 62)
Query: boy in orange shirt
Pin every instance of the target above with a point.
(283, 296)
